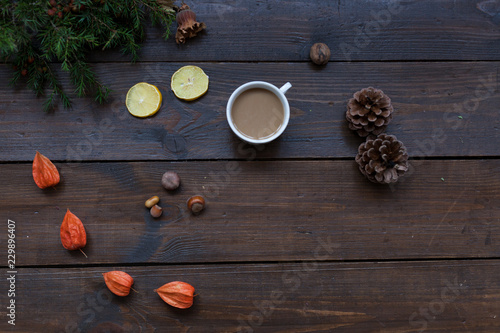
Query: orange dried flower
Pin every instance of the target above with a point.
(73, 236)
(45, 172)
(178, 294)
(118, 282)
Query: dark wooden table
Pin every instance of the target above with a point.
(294, 238)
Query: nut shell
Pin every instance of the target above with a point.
(196, 204)
(152, 201)
(320, 54)
(170, 180)
(156, 211)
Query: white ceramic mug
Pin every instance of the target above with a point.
(279, 92)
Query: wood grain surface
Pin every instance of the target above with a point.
(293, 238)
(302, 297)
(257, 211)
(429, 99)
(239, 30)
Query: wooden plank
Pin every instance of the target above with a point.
(429, 99)
(257, 211)
(359, 30)
(305, 297)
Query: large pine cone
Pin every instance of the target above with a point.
(369, 111)
(383, 159)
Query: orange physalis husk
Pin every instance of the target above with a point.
(118, 282)
(178, 294)
(73, 236)
(45, 172)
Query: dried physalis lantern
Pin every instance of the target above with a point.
(118, 282)
(187, 26)
(178, 294)
(73, 236)
(45, 172)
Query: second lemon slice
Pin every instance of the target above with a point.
(189, 83)
(143, 100)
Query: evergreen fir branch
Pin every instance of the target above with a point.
(15, 77)
(8, 44)
(82, 77)
(102, 93)
(166, 34)
(34, 33)
(54, 84)
(49, 102)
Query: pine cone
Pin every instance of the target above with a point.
(369, 111)
(383, 159)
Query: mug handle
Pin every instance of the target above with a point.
(285, 87)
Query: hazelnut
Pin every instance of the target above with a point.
(320, 54)
(156, 211)
(170, 180)
(152, 201)
(196, 204)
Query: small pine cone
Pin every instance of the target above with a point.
(383, 159)
(369, 112)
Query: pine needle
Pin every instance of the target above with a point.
(34, 37)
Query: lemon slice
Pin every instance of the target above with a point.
(143, 100)
(189, 83)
